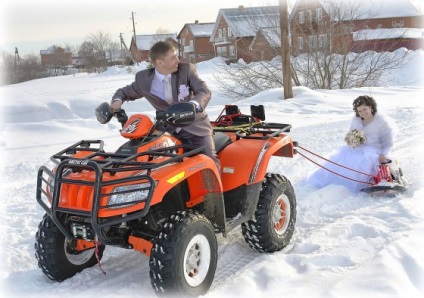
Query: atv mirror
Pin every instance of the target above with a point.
(179, 114)
(104, 113)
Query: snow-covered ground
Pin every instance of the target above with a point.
(344, 245)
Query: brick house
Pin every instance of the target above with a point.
(194, 42)
(388, 39)
(266, 44)
(140, 49)
(341, 26)
(56, 56)
(236, 28)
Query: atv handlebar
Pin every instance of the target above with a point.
(104, 113)
(178, 114)
(121, 115)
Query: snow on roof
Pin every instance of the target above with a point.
(376, 9)
(366, 9)
(145, 42)
(201, 29)
(51, 50)
(245, 21)
(388, 33)
(272, 35)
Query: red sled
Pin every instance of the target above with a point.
(389, 180)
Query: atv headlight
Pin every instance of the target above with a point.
(127, 194)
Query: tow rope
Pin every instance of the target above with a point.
(339, 165)
(96, 252)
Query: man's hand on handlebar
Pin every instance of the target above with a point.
(118, 112)
(121, 116)
(116, 105)
(197, 106)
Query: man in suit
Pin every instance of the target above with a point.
(186, 86)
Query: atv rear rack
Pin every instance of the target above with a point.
(49, 184)
(251, 131)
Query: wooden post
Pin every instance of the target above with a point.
(285, 49)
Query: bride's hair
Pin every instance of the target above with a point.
(367, 101)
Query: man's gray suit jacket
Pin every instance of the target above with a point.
(185, 76)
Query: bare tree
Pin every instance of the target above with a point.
(334, 59)
(95, 50)
(240, 80)
(7, 69)
(114, 54)
(59, 62)
(32, 68)
(161, 30)
(15, 70)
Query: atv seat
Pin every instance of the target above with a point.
(221, 140)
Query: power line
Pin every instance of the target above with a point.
(153, 12)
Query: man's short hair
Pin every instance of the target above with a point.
(159, 50)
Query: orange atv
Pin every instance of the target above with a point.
(164, 199)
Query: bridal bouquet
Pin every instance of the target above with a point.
(355, 138)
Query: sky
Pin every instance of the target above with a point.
(344, 244)
(35, 25)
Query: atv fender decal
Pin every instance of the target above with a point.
(130, 128)
(166, 143)
(196, 167)
(176, 178)
(228, 170)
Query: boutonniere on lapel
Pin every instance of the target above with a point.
(183, 92)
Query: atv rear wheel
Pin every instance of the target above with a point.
(54, 252)
(275, 216)
(184, 256)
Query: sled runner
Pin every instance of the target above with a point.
(164, 199)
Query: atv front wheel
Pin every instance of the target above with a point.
(184, 256)
(275, 216)
(56, 254)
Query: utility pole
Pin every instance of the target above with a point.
(126, 49)
(17, 64)
(17, 58)
(135, 39)
(285, 49)
(135, 36)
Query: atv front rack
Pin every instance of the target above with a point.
(50, 185)
(81, 146)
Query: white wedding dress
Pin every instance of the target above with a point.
(379, 134)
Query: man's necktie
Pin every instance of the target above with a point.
(168, 89)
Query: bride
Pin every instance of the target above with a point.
(369, 140)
